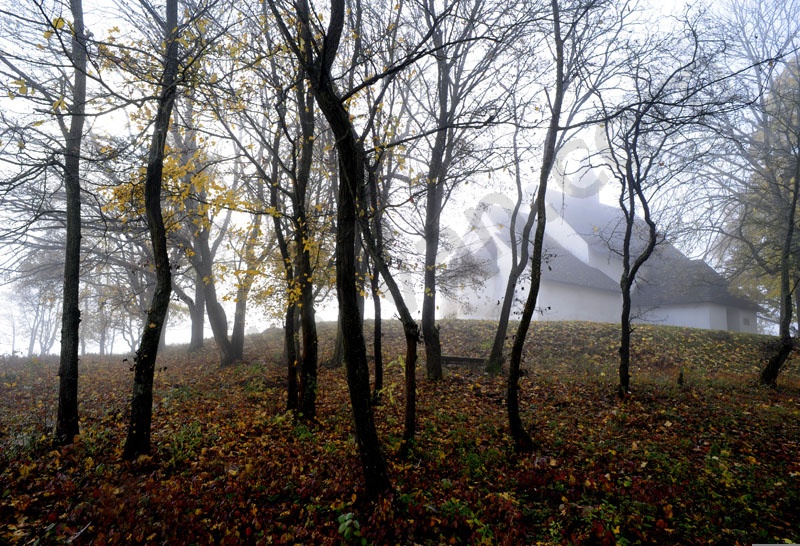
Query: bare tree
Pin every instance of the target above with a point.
(755, 171)
(589, 45)
(650, 142)
(471, 41)
(573, 33)
(67, 41)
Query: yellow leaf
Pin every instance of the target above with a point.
(214, 78)
(22, 86)
(59, 104)
(48, 33)
(58, 23)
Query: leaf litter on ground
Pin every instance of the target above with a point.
(712, 461)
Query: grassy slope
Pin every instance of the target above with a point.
(712, 462)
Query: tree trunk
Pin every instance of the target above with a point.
(519, 260)
(308, 375)
(377, 341)
(522, 440)
(239, 322)
(35, 328)
(337, 360)
(351, 167)
(375, 282)
(290, 353)
(625, 343)
(374, 242)
(769, 375)
(308, 362)
(197, 314)
(629, 271)
(433, 210)
(411, 332)
(217, 318)
(138, 440)
(355, 354)
(67, 426)
(351, 170)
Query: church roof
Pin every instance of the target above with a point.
(668, 277)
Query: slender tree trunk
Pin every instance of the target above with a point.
(290, 332)
(433, 209)
(197, 314)
(243, 292)
(290, 353)
(303, 244)
(625, 342)
(67, 426)
(239, 321)
(337, 359)
(138, 440)
(630, 270)
(217, 318)
(318, 64)
(377, 341)
(519, 260)
(308, 383)
(522, 440)
(769, 375)
(35, 328)
(351, 168)
(355, 354)
(374, 242)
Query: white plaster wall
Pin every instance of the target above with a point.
(740, 320)
(571, 302)
(695, 315)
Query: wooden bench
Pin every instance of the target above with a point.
(470, 362)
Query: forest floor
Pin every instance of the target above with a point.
(713, 461)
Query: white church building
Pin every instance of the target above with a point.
(580, 276)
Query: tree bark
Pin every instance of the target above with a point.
(67, 426)
(318, 64)
(197, 313)
(522, 440)
(374, 241)
(217, 318)
(433, 210)
(377, 341)
(519, 260)
(243, 291)
(303, 245)
(629, 271)
(769, 375)
(138, 439)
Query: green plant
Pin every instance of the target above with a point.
(350, 529)
(185, 443)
